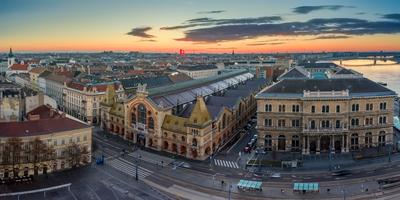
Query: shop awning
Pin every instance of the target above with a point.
(314, 187)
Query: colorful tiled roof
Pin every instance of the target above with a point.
(19, 67)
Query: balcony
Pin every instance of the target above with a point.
(139, 127)
(277, 128)
(325, 130)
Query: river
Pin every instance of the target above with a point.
(387, 72)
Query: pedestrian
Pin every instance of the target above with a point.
(328, 190)
(222, 183)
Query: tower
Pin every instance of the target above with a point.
(11, 58)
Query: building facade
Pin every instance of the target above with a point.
(193, 119)
(83, 100)
(324, 115)
(47, 142)
(199, 71)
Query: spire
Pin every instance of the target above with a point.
(10, 55)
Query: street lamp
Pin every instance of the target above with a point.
(229, 192)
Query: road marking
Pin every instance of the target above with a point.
(226, 163)
(129, 168)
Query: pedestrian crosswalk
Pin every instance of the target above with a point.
(128, 168)
(225, 163)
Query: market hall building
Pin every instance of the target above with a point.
(334, 110)
(193, 119)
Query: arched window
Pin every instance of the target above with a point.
(142, 114)
(194, 142)
(368, 139)
(354, 141)
(151, 123)
(382, 139)
(268, 143)
(295, 143)
(183, 139)
(312, 124)
(281, 143)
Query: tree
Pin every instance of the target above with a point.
(37, 151)
(14, 147)
(77, 154)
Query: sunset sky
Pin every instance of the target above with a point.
(213, 26)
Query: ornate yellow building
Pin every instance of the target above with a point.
(191, 119)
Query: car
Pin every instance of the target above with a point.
(254, 120)
(186, 165)
(275, 175)
(341, 173)
(247, 149)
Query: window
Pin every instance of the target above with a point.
(183, 139)
(355, 107)
(194, 142)
(312, 124)
(281, 123)
(313, 109)
(338, 108)
(281, 108)
(151, 123)
(295, 143)
(281, 143)
(325, 109)
(268, 142)
(369, 106)
(325, 124)
(337, 123)
(369, 121)
(382, 139)
(382, 106)
(368, 139)
(382, 120)
(268, 122)
(268, 108)
(142, 114)
(296, 123)
(355, 122)
(354, 141)
(295, 108)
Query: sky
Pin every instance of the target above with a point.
(212, 26)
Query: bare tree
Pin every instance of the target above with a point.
(14, 148)
(77, 154)
(37, 150)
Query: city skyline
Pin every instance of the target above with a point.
(206, 26)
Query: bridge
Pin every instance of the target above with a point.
(374, 56)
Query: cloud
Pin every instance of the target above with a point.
(328, 37)
(317, 26)
(308, 9)
(206, 21)
(360, 13)
(211, 12)
(265, 43)
(148, 40)
(141, 32)
(394, 16)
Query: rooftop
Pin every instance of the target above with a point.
(197, 67)
(39, 127)
(355, 86)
